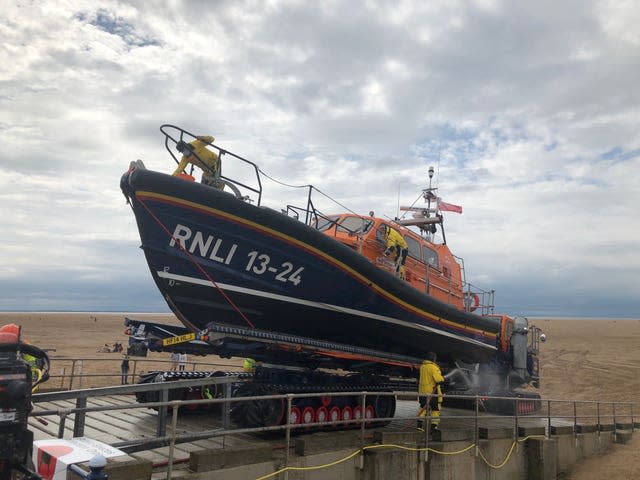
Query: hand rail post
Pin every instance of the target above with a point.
(426, 444)
(161, 429)
(80, 373)
(307, 217)
(73, 371)
(226, 407)
(288, 434)
(476, 426)
(63, 419)
(172, 444)
(515, 421)
(79, 418)
(575, 422)
(614, 413)
(362, 423)
(548, 418)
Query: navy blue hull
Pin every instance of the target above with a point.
(285, 276)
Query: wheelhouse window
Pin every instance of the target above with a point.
(354, 225)
(430, 257)
(414, 247)
(325, 223)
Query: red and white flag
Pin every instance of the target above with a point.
(448, 207)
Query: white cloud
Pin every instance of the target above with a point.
(527, 109)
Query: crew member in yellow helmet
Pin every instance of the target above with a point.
(196, 153)
(396, 243)
(429, 389)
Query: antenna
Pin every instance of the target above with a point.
(430, 171)
(422, 217)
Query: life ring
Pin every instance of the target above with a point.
(471, 301)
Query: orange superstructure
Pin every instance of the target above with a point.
(430, 268)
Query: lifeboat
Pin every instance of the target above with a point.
(217, 257)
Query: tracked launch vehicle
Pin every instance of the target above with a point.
(310, 291)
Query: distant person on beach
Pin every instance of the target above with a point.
(182, 361)
(175, 358)
(429, 390)
(124, 369)
(196, 153)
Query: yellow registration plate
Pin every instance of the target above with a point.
(187, 337)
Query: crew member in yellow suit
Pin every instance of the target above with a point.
(196, 153)
(249, 365)
(396, 243)
(36, 372)
(429, 389)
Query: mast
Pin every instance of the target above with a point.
(427, 218)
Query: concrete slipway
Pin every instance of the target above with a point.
(463, 448)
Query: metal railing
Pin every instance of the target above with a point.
(604, 415)
(73, 371)
(175, 135)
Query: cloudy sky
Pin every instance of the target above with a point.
(529, 111)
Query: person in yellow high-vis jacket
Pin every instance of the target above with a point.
(395, 242)
(36, 371)
(196, 153)
(249, 365)
(429, 390)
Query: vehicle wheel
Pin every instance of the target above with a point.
(346, 413)
(296, 416)
(357, 412)
(257, 413)
(384, 407)
(308, 415)
(322, 414)
(369, 413)
(334, 414)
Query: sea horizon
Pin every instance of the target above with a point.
(120, 312)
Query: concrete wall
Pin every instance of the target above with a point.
(495, 452)
(536, 458)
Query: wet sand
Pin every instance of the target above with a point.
(581, 359)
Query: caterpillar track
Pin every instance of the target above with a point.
(190, 393)
(256, 413)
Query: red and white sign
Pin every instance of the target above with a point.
(52, 457)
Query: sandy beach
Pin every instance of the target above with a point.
(582, 359)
